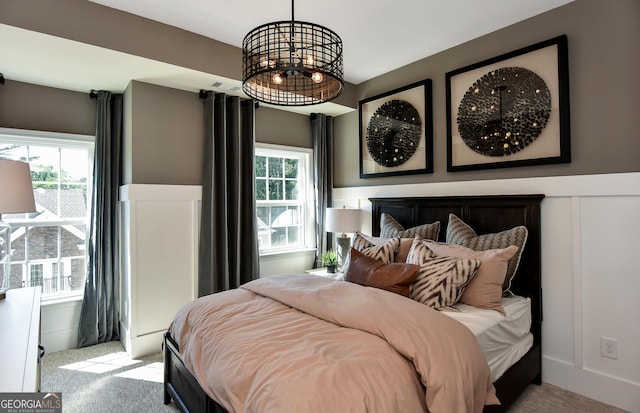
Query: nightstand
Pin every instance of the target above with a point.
(322, 272)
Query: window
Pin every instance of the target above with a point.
(284, 198)
(48, 247)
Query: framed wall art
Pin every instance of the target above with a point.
(511, 110)
(396, 132)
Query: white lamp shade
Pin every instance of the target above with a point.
(16, 189)
(342, 220)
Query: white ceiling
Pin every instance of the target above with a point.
(378, 37)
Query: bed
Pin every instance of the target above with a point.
(486, 214)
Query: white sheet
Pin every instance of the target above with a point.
(503, 339)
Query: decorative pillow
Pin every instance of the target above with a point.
(485, 288)
(385, 251)
(370, 272)
(441, 280)
(368, 240)
(460, 233)
(389, 227)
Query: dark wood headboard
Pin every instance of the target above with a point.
(485, 214)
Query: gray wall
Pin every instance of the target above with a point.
(165, 135)
(163, 127)
(604, 63)
(27, 106)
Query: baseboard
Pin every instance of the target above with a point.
(142, 345)
(598, 386)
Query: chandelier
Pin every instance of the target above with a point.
(292, 63)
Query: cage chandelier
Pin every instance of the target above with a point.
(292, 63)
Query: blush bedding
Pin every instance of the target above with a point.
(294, 343)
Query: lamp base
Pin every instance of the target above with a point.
(344, 244)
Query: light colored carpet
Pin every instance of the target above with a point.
(102, 378)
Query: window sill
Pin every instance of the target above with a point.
(286, 253)
(61, 300)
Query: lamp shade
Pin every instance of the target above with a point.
(16, 189)
(342, 220)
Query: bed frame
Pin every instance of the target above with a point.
(485, 214)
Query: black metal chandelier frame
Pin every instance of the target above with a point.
(292, 63)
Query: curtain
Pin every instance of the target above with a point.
(99, 314)
(228, 255)
(322, 132)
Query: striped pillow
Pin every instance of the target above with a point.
(389, 227)
(462, 234)
(441, 280)
(384, 252)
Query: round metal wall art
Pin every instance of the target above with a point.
(393, 133)
(504, 111)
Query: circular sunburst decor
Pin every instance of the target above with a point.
(393, 133)
(504, 111)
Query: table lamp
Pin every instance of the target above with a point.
(343, 221)
(16, 196)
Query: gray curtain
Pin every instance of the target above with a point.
(322, 131)
(99, 314)
(228, 255)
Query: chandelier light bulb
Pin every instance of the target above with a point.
(277, 79)
(317, 77)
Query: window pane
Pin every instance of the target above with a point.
(73, 201)
(275, 189)
(292, 190)
(75, 165)
(13, 152)
(45, 166)
(42, 243)
(261, 166)
(275, 167)
(72, 241)
(74, 279)
(279, 238)
(261, 189)
(293, 235)
(286, 217)
(291, 168)
(275, 213)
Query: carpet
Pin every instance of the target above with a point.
(102, 378)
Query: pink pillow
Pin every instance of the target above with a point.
(485, 288)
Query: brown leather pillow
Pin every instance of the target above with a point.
(396, 277)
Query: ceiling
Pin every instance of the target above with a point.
(378, 37)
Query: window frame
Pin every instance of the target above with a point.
(308, 203)
(26, 137)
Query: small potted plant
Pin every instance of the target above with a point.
(330, 260)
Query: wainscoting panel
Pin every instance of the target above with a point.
(160, 229)
(590, 277)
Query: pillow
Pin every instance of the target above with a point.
(385, 251)
(441, 280)
(396, 277)
(460, 233)
(485, 288)
(389, 227)
(368, 240)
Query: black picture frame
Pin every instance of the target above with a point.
(513, 109)
(408, 147)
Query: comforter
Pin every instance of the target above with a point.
(303, 343)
